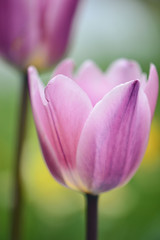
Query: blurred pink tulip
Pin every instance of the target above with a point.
(35, 31)
(94, 127)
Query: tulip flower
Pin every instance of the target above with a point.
(35, 31)
(94, 127)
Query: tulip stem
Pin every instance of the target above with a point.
(17, 188)
(91, 216)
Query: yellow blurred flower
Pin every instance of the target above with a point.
(41, 188)
(153, 150)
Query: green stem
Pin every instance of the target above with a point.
(91, 217)
(17, 201)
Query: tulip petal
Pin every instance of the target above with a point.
(58, 22)
(69, 106)
(92, 81)
(122, 71)
(114, 138)
(66, 68)
(42, 119)
(17, 43)
(152, 88)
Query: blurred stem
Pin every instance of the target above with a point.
(17, 201)
(91, 217)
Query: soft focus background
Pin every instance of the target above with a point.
(106, 30)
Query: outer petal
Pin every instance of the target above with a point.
(69, 107)
(114, 138)
(57, 23)
(18, 34)
(152, 88)
(92, 81)
(122, 71)
(43, 123)
(66, 68)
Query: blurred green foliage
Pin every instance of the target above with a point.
(52, 211)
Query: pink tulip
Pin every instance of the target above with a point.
(35, 31)
(94, 127)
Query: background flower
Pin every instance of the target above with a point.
(35, 31)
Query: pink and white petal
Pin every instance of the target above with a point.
(66, 68)
(43, 123)
(114, 138)
(92, 81)
(143, 80)
(69, 106)
(122, 71)
(152, 88)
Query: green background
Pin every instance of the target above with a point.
(104, 31)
